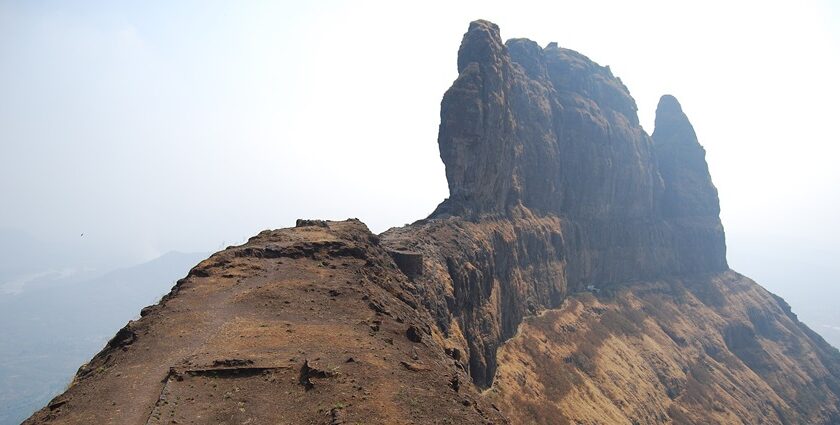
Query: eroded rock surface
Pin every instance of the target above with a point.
(714, 349)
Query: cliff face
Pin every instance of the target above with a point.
(481, 313)
(544, 128)
(530, 134)
(553, 132)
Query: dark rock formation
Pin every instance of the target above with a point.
(410, 263)
(545, 147)
(689, 198)
(554, 187)
(689, 191)
(551, 131)
(544, 128)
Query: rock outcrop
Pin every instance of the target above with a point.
(576, 274)
(551, 131)
(530, 134)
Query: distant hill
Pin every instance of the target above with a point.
(58, 322)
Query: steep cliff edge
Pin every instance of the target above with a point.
(576, 274)
(560, 187)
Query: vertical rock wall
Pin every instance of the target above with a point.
(544, 135)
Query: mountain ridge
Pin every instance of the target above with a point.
(576, 274)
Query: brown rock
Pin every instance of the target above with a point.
(413, 334)
(410, 263)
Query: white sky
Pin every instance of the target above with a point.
(151, 126)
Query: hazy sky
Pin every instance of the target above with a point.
(157, 126)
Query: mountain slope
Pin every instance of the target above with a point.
(713, 349)
(296, 326)
(576, 274)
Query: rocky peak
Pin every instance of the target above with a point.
(476, 134)
(482, 44)
(669, 113)
(549, 131)
(682, 164)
